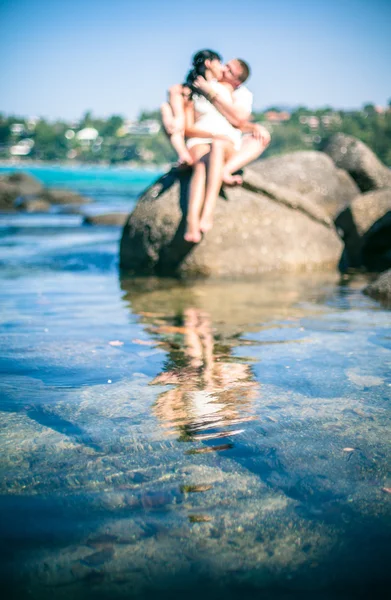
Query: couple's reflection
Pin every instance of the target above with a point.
(209, 389)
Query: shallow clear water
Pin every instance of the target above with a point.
(163, 438)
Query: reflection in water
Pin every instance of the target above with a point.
(209, 390)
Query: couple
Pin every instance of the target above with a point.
(207, 121)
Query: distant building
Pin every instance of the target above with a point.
(22, 148)
(17, 128)
(311, 120)
(147, 127)
(277, 117)
(88, 134)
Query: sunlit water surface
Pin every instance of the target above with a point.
(167, 439)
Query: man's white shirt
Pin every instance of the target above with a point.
(243, 97)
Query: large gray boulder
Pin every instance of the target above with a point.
(365, 227)
(312, 174)
(380, 289)
(256, 230)
(359, 161)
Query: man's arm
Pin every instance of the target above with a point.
(234, 113)
(191, 129)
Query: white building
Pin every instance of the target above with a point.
(22, 148)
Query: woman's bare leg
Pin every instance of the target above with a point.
(197, 193)
(175, 134)
(220, 152)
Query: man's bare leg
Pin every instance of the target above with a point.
(220, 150)
(251, 149)
(197, 193)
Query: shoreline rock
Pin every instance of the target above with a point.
(359, 161)
(254, 232)
(380, 289)
(118, 219)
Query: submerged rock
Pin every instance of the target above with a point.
(366, 230)
(258, 229)
(359, 161)
(312, 174)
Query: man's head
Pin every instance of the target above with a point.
(236, 72)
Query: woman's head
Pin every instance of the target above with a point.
(208, 60)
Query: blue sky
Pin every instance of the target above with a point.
(59, 58)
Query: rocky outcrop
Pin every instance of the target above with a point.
(107, 219)
(359, 161)
(380, 289)
(310, 174)
(34, 205)
(20, 191)
(27, 184)
(60, 196)
(8, 194)
(365, 227)
(258, 228)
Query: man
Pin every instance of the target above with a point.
(207, 178)
(236, 72)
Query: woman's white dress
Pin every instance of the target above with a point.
(210, 119)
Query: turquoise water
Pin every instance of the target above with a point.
(168, 439)
(114, 189)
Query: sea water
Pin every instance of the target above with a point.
(164, 438)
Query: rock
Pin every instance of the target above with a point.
(107, 219)
(60, 196)
(8, 195)
(27, 184)
(312, 174)
(380, 289)
(365, 227)
(254, 232)
(34, 205)
(359, 161)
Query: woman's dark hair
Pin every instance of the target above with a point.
(199, 68)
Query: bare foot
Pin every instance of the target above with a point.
(192, 234)
(229, 179)
(206, 223)
(185, 159)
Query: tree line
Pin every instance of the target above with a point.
(117, 141)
